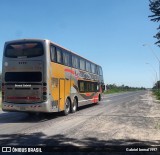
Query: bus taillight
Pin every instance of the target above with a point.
(44, 91)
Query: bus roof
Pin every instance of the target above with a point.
(35, 39)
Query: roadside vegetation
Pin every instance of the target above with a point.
(155, 17)
(156, 90)
(157, 94)
(112, 88)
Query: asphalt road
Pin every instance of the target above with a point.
(120, 119)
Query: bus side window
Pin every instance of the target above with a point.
(81, 86)
(66, 58)
(88, 66)
(70, 59)
(93, 68)
(82, 64)
(75, 61)
(53, 54)
(97, 87)
(100, 71)
(97, 70)
(59, 56)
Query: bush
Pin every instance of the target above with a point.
(157, 94)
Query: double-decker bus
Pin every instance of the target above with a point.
(41, 76)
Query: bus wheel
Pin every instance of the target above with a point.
(74, 106)
(67, 107)
(99, 98)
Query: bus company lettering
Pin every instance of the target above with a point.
(22, 85)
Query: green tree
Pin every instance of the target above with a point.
(157, 85)
(155, 17)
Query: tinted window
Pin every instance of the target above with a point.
(82, 64)
(100, 71)
(75, 61)
(97, 70)
(25, 49)
(93, 68)
(23, 76)
(88, 66)
(92, 87)
(87, 86)
(66, 58)
(53, 54)
(81, 86)
(59, 56)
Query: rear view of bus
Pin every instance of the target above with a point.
(24, 86)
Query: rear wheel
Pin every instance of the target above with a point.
(67, 107)
(74, 105)
(99, 98)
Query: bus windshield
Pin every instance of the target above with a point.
(25, 49)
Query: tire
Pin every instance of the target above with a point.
(67, 107)
(99, 98)
(74, 106)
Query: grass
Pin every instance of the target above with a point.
(118, 90)
(111, 91)
(157, 94)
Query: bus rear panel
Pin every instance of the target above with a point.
(24, 84)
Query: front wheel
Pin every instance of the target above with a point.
(67, 107)
(74, 105)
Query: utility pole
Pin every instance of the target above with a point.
(152, 51)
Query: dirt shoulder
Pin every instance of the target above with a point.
(155, 109)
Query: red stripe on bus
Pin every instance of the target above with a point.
(24, 98)
(88, 94)
(70, 71)
(95, 99)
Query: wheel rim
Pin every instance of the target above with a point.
(67, 105)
